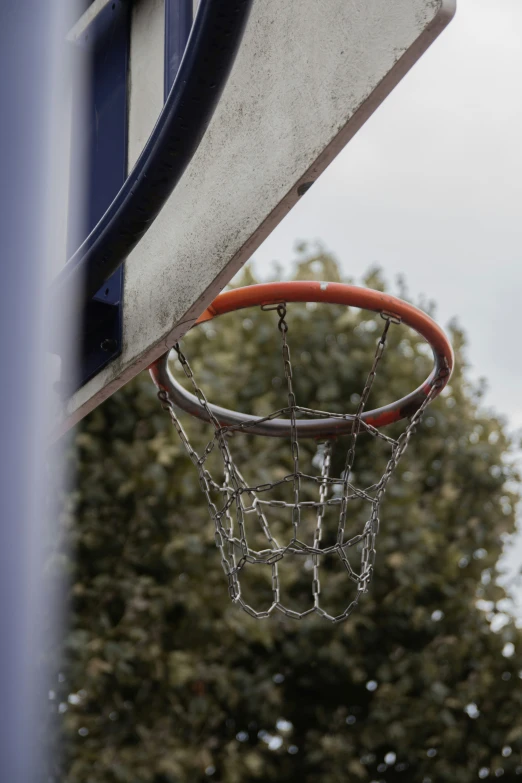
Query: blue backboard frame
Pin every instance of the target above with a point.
(178, 21)
(100, 145)
(99, 160)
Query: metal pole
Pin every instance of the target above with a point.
(30, 68)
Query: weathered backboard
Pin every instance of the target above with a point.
(307, 76)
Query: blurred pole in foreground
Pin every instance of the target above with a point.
(31, 50)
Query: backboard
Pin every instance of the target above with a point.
(306, 77)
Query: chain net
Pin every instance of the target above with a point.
(232, 500)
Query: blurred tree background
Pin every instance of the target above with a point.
(162, 680)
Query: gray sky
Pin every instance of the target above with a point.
(431, 188)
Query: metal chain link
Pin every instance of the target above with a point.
(323, 494)
(230, 531)
(283, 328)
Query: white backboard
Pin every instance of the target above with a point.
(307, 76)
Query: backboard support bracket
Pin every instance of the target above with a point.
(101, 333)
(99, 338)
(100, 46)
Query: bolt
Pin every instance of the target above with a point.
(301, 190)
(109, 345)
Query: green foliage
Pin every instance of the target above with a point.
(164, 681)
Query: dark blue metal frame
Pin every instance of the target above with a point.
(211, 50)
(178, 21)
(100, 145)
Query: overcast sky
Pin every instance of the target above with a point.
(431, 188)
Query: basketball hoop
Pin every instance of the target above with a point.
(238, 499)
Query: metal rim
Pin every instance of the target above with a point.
(267, 294)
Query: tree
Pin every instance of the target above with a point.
(164, 681)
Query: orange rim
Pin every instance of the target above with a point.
(331, 293)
